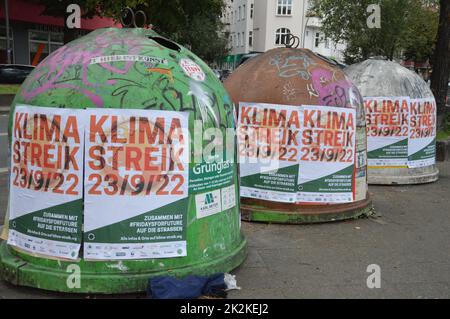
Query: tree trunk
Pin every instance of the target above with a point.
(391, 53)
(441, 63)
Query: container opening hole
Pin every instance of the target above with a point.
(166, 43)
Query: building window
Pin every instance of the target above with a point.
(250, 38)
(3, 53)
(251, 11)
(317, 40)
(284, 7)
(244, 14)
(240, 13)
(42, 43)
(232, 17)
(281, 36)
(236, 18)
(243, 39)
(238, 40)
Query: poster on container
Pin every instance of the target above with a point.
(136, 184)
(327, 155)
(268, 145)
(45, 203)
(361, 164)
(422, 133)
(212, 184)
(212, 175)
(387, 128)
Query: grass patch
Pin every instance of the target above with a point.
(9, 88)
(443, 135)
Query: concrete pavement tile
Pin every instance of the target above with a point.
(331, 273)
(256, 294)
(253, 259)
(339, 292)
(423, 290)
(253, 278)
(8, 291)
(425, 272)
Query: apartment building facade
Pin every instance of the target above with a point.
(261, 25)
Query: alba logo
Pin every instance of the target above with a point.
(209, 199)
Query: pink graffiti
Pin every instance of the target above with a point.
(80, 53)
(330, 91)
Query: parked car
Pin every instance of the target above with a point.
(216, 73)
(332, 61)
(248, 56)
(224, 74)
(14, 73)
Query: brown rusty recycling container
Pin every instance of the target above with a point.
(398, 152)
(294, 80)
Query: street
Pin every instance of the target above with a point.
(3, 142)
(3, 164)
(409, 239)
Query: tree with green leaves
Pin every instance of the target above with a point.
(410, 29)
(407, 26)
(195, 24)
(419, 38)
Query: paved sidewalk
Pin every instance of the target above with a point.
(410, 241)
(5, 102)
